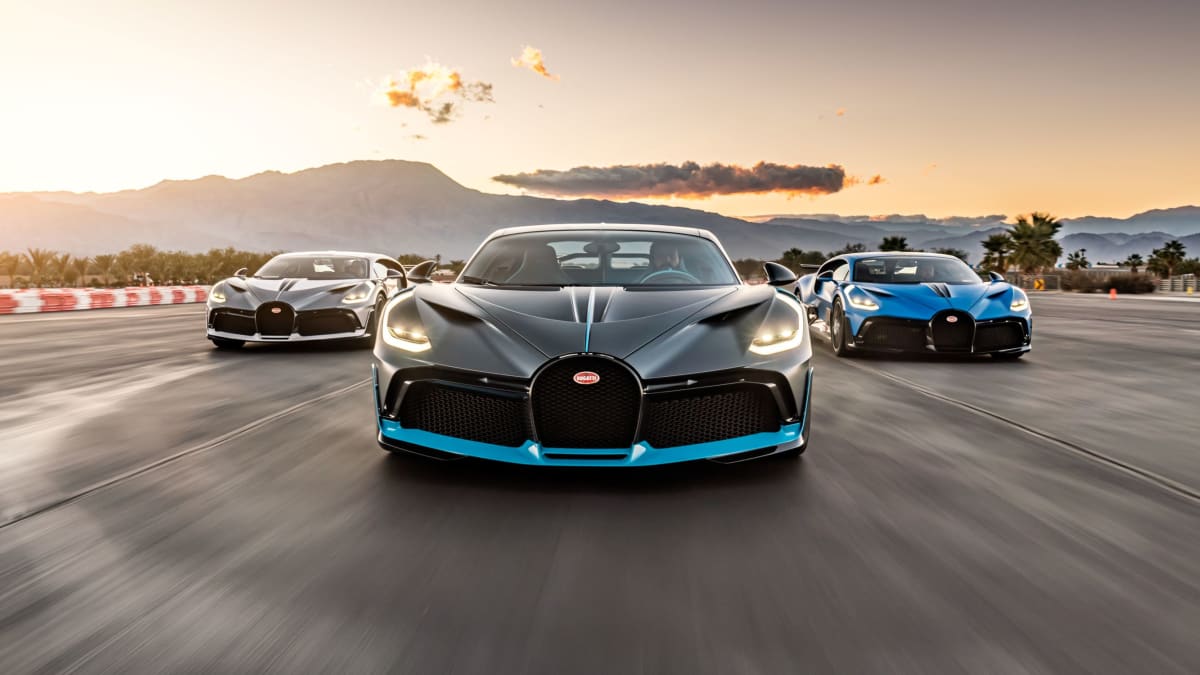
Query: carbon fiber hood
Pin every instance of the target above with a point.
(299, 293)
(658, 332)
(936, 296)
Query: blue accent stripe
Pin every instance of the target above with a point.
(587, 336)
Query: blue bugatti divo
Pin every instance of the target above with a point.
(915, 302)
(596, 345)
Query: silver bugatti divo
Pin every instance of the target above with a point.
(296, 297)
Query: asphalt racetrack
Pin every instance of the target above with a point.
(165, 507)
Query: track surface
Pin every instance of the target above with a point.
(923, 532)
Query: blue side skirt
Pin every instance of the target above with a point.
(789, 437)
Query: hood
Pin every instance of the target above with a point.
(295, 292)
(936, 296)
(604, 319)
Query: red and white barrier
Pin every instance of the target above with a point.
(34, 300)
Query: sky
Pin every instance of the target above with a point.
(960, 108)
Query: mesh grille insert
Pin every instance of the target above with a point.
(1001, 335)
(230, 322)
(599, 415)
(275, 323)
(326, 321)
(465, 413)
(894, 334)
(952, 331)
(715, 414)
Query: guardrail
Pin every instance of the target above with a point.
(37, 300)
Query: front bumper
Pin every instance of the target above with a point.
(294, 337)
(393, 436)
(1003, 335)
(308, 325)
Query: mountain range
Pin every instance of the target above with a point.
(396, 206)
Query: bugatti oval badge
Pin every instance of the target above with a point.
(952, 319)
(586, 377)
(276, 310)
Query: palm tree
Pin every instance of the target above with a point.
(1078, 260)
(8, 265)
(1167, 258)
(1034, 247)
(896, 243)
(997, 248)
(956, 252)
(63, 272)
(39, 260)
(82, 264)
(1133, 262)
(106, 265)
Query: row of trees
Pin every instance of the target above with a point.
(1166, 261)
(137, 265)
(140, 264)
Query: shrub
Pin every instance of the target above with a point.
(1082, 282)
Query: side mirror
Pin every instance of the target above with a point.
(778, 275)
(240, 273)
(422, 273)
(995, 276)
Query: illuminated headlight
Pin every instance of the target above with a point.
(403, 326)
(783, 339)
(859, 299)
(217, 294)
(1019, 300)
(357, 294)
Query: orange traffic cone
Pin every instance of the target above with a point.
(1112, 294)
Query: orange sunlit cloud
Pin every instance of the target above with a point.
(531, 58)
(427, 89)
(688, 180)
(841, 112)
(929, 168)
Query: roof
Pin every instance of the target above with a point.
(351, 254)
(614, 227)
(894, 254)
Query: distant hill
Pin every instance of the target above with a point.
(397, 206)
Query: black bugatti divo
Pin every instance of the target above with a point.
(595, 345)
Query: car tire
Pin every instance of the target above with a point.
(839, 330)
(223, 343)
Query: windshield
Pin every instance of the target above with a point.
(599, 258)
(319, 267)
(914, 270)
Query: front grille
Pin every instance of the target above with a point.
(952, 331)
(233, 321)
(599, 415)
(272, 323)
(470, 414)
(326, 322)
(1000, 335)
(893, 334)
(712, 414)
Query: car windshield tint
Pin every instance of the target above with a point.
(600, 258)
(913, 270)
(319, 267)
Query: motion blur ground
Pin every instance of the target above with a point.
(949, 523)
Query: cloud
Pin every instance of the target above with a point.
(841, 112)
(435, 90)
(929, 168)
(531, 58)
(687, 180)
(876, 180)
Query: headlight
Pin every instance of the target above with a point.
(858, 298)
(403, 328)
(357, 294)
(786, 337)
(217, 294)
(1019, 300)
